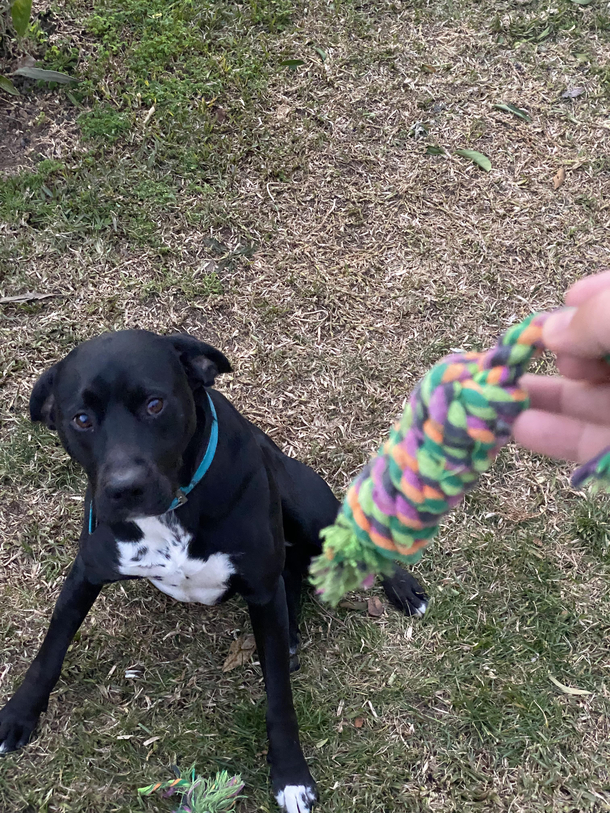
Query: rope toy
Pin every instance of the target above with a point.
(457, 420)
(200, 795)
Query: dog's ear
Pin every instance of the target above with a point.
(201, 361)
(42, 400)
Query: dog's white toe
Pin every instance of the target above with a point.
(296, 798)
(421, 609)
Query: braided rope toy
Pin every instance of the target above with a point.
(199, 795)
(457, 420)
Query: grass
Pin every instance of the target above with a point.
(289, 213)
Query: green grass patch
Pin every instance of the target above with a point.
(200, 65)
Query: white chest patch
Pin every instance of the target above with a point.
(162, 556)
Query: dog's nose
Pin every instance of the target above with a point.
(126, 485)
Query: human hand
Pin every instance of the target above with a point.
(569, 416)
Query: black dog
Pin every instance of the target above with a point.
(134, 410)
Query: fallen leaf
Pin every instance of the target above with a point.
(568, 689)
(150, 741)
(45, 76)
(375, 607)
(322, 743)
(359, 722)
(240, 652)
(353, 605)
(516, 111)
(572, 93)
(293, 64)
(283, 111)
(559, 178)
(476, 157)
(28, 297)
(432, 149)
(8, 86)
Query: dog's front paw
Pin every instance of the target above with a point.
(16, 728)
(405, 592)
(297, 798)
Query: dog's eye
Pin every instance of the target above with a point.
(82, 421)
(154, 406)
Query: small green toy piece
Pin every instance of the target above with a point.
(457, 420)
(200, 795)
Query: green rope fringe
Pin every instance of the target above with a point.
(217, 795)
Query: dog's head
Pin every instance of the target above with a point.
(123, 405)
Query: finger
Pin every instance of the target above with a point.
(559, 436)
(593, 370)
(575, 399)
(582, 331)
(586, 288)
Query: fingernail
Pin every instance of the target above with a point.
(555, 327)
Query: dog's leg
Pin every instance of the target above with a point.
(295, 570)
(292, 783)
(19, 717)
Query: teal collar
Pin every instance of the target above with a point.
(205, 464)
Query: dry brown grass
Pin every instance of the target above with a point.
(372, 260)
